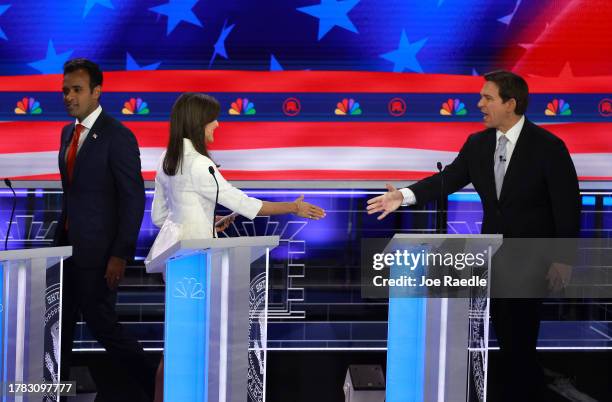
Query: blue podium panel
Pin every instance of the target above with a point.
(3, 345)
(405, 343)
(406, 350)
(186, 332)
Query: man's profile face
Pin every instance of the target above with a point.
(79, 99)
(496, 113)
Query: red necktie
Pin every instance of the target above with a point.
(72, 151)
(71, 158)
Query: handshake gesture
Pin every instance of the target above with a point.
(308, 210)
(385, 203)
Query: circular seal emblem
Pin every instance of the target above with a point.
(257, 321)
(292, 107)
(605, 107)
(52, 336)
(396, 107)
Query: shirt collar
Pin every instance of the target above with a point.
(89, 121)
(188, 146)
(514, 132)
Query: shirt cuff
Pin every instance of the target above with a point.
(409, 197)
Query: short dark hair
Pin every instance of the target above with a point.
(92, 69)
(511, 86)
(190, 114)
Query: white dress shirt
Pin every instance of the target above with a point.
(512, 136)
(183, 204)
(87, 124)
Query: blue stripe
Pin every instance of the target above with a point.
(420, 107)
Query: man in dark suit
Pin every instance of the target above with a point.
(102, 209)
(528, 187)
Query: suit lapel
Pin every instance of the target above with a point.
(518, 155)
(66, 137)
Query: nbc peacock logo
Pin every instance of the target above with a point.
(558, 107)
(453, 107)
(242, 106)
(348, 107)
(135, 106)
(28, 106)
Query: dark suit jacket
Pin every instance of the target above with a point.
(539, 197)
(104, 203)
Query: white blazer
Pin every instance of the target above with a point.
(183, 204)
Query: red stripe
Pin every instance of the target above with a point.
(326, 175)
(579, 137)
(300, 81)
(41, 177)
(438, 136)
(21, 136)
(331, 175)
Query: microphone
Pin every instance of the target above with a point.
(440, 213)
(502, 158)
(8, 231)
(211, 170)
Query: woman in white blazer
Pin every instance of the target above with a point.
(185, 189)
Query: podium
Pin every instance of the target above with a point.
(31, 316)
(208, 318)
(437, 348)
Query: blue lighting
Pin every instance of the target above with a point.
(588, 200)
(464, 197)
(405, 344)
(186, 340)
(3, 355)
(607, 201)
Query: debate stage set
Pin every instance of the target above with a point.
(332, 100)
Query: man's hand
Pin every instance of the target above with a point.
(115, 270)
(385, 203)
(558, 276)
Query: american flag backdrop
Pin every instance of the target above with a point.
(371, 90)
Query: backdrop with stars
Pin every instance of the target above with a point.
(564, 40)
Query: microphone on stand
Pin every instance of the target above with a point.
(8, 231)
(211, 170)
(441, 214)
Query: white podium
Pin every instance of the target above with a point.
(206, 346)
(31, 317)
(437, 347)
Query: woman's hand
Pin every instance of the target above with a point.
(226, 222)
(307, 210)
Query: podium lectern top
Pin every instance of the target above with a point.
(45, 252)
(258, 245)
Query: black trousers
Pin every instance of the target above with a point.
(517, 323)
(84, 290)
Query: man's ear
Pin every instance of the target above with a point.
(97, 91)
(511, 105)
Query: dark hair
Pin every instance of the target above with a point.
(92, 69)
(511, 86)
(190, 114)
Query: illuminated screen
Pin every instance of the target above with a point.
(352, 115)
